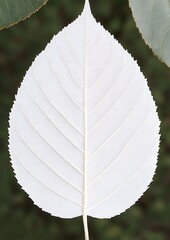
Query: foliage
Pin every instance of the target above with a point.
(13, 11)
(19, 218)
(153, 20)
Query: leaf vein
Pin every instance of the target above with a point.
(70, 48)
(125, 182)
(46, 140)
(110, 89)
(67, 66)
(127, 117)
(54, 106)
(9, 13)
(103, 70)
(51, 121)
(41, 183)
(48, 61)
(27, 145)
(126, 87)
(119, 155)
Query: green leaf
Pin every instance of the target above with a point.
(153, 20)
(13, 11)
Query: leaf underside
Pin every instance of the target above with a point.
(84, 131)
(13, 11)
(152, 17)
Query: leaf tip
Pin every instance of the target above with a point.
(87, 6)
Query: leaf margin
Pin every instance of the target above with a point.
(24, 18)
(160, 58)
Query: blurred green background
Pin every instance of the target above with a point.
(149, 219)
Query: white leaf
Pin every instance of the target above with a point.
(84, 132)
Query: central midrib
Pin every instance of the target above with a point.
(85, 132)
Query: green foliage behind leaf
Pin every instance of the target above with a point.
(19, 219)
(152, 17)
(13, 11)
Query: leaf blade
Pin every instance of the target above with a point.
(94, 123)
(14, 11)
(153, 21)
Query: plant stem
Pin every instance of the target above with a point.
(86, 231)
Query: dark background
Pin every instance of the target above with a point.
(149, 219)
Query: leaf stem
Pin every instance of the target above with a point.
(86, 231)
